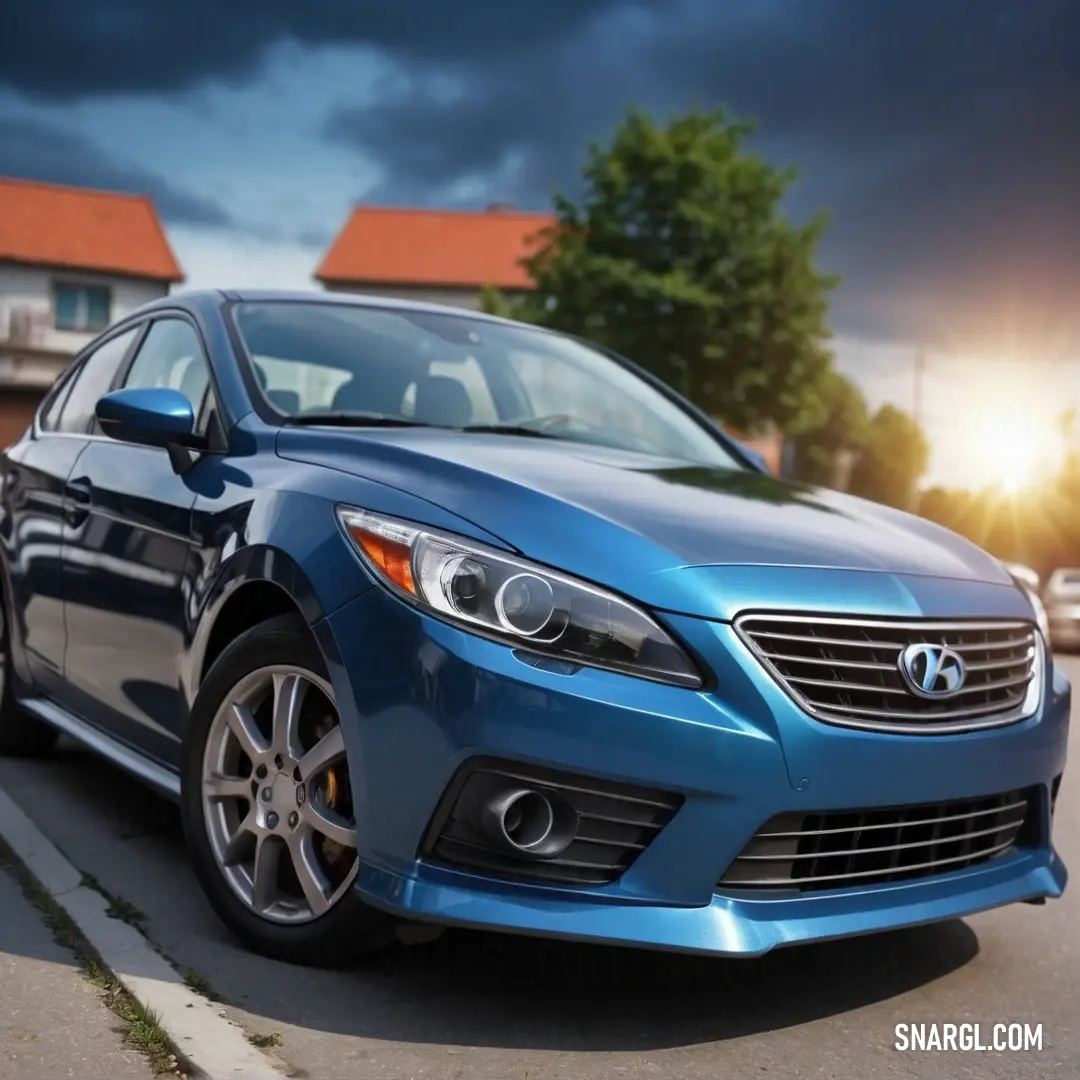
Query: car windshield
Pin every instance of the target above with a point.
(340, 363)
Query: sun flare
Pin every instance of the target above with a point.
(1006, 447)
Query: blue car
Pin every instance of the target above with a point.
(427, 618)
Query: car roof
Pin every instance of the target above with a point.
(198, 297)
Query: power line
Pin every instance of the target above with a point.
(919, 372)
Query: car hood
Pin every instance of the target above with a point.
(629, 520)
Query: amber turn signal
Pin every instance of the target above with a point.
(393, 558)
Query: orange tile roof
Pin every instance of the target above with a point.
(50, 225)
(391, 246)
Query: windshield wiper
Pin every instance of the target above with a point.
(506, 429)
(355, 419)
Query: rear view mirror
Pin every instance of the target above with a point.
(153, 416)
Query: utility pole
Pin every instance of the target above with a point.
(920, 370)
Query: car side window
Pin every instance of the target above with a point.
(49, 416)
(171, 356)
(92, 382)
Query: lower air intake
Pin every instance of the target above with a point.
(843, 849)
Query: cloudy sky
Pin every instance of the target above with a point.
(942, 135)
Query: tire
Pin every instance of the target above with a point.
(21, 735)
(276, 911)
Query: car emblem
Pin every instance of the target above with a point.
(932, 671)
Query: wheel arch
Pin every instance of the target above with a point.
(258, 583)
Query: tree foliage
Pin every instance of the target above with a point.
(893, 457)
(678, 255)
(839, 425)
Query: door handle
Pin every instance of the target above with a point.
(77, 503)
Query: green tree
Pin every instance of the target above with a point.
(839, 424)
(894, 456)
(493, 302)
(945, 506)
(679, 256)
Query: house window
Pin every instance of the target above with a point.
(81, 307)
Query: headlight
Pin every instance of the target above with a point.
(1040, 608)
(515, 601)
(1033, 697)
(1040, 613)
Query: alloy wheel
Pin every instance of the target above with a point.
(276, 795)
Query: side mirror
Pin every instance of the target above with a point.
(154, 416)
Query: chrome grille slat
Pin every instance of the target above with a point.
(626, 845)
(994, 646)
(932, 865)
(867, 665)
(867, 687)
(612, 820)
(935, 626)
(847, 671)
(944, 714)
(1002, 684)
(813, 640)
(1013, 825)
(580, 790)
(892, 825)
(583, 864)
(798, 851)
(997, 665)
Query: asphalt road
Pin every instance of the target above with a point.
(493, 1007)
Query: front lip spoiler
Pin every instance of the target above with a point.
(723, 927)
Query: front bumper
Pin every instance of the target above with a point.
(419, 698)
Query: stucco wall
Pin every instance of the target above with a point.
(31, 287)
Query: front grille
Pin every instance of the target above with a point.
(616, 822)
(845, 848)
(846, 671)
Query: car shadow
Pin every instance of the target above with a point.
(494, 989)
(479, 989)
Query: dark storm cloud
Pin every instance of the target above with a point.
(31, 150)
(66, 49)
(868, 81)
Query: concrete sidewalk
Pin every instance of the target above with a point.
(53, 1021)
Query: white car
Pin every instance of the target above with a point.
(1062, 601)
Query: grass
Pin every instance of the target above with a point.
(142, 1028)
(125, 911)
(145, 1033)
(200, 984)
(118, 908)
(265, 1042)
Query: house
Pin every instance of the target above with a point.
(72, 261)
(441, 256)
